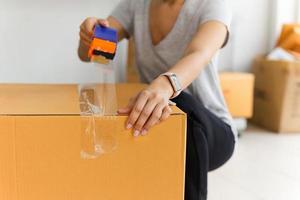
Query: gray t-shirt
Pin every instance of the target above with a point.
(154, 60)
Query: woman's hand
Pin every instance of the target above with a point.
(149, 107)
(87, 29)
(86, 35)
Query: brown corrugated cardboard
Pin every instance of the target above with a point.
(40, 144)
(277, 95)
(238, 92)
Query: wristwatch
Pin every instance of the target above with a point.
(176, 85)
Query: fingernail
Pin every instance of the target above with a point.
(129, 126)
(136, 133)
(144, 132)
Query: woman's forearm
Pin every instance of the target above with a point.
(151, 105)
(190, 66)
(204, 46)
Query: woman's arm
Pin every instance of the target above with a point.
(151, 105)
(208, 40)
(86, 34)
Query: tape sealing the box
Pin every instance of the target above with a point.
(98, 106)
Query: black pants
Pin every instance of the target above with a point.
(210, 143)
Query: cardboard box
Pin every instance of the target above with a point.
(238, 89)
(290, 37)
(277, 95)
(286, 31)
(40, 144)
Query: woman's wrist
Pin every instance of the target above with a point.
(162, 84)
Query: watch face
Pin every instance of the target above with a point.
(175, 82)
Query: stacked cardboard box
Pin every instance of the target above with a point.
(277, 95)
(277, 86)
(238, 92)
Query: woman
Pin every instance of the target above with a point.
(176, 45)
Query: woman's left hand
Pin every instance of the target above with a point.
(149, 107)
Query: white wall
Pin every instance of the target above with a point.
(38, 40)
(250, 34)
(284, 11)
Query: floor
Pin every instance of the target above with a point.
(266, 166)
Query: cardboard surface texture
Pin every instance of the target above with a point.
(277, 95)
(40, 144)
(238, 89)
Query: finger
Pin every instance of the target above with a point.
(144, 116)
(85, 43)
(137, 108)
(103, 22)
(85, 31)
(124, 111)
(88, 26)
(128, 108)
(154, 118)
(85, 37)
(165, 114)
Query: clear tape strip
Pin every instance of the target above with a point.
(98, 105)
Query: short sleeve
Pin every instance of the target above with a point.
(124, 14)
(217, 10)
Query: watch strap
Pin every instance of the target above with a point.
(172, 77)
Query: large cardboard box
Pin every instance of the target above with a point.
(40, 144)
(238, 89)
(277, 95)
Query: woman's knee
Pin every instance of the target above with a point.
(222, 152)
(218, 135)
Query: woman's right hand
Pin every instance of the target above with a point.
(87, 30)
